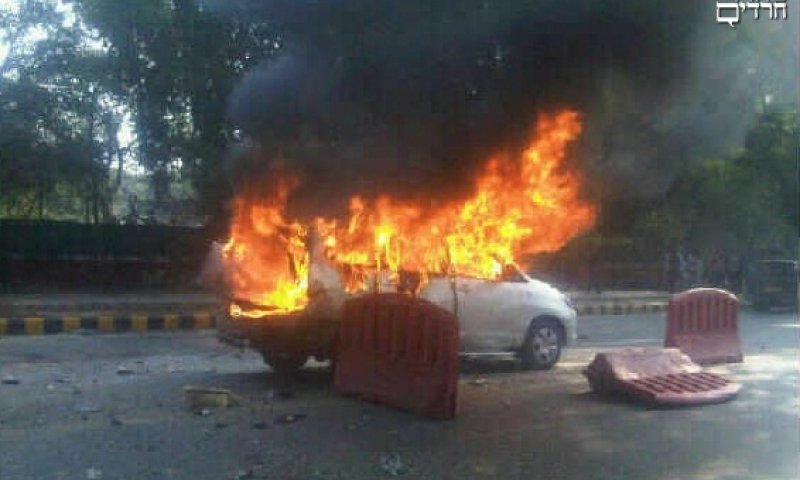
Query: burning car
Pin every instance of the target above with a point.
(513, 314)
(288, 279)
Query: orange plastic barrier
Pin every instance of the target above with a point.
(399, 351)
(660, 376)
(704, 324)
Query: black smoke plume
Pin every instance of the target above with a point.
(409, 97)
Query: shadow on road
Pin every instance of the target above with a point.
(488, 365)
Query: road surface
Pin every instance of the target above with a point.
(105, 407)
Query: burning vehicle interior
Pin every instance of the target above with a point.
(281, 270)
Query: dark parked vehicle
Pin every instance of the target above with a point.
(774, 283)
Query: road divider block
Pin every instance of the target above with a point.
(704, 324)
(399, 351)
(657, 376)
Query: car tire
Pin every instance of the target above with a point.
(542, 347)
(284, 363)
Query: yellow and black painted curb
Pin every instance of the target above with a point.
(45, 325)
(621, 308)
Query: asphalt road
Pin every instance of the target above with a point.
(112, 407)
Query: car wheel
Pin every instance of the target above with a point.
(284, 363)
(542, 347)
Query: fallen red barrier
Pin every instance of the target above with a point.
(704, 324)
(399, 351)
(658, 376)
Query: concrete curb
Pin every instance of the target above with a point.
(47, 325)
(621, 308)
(40, 325)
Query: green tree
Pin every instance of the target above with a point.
(746, 204)
(53, 123)
(169, 64)
(174, 65)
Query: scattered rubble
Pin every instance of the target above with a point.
(392, 464)
(174, 369)
(94, 474)
(115, 420)
(243, 475)
(256, 472)
(260, 425)
(88, 408)
(205, 397)
(286, 394)
(286, 419)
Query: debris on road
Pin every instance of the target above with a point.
(260, 424)
(269, 396)
(88, 408)
(243, 475)
(657, 376)
(392, 464)
(286, 394)
(174, 369)
(286, 419)
(205, 397)
(10, 380)
(257, 472)
(94, 474)
(114, 420)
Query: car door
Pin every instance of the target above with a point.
(481, 304)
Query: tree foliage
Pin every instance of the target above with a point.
(54, 133)
(169, 64)
(747, 203)
(77, 68)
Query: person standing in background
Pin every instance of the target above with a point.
(716, 269)
(734, 274)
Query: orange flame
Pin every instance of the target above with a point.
(521, 205)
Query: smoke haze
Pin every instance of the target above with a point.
(410, 97)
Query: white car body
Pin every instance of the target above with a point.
(512, 315)
(494, 316)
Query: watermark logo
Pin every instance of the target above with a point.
(730, 12)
